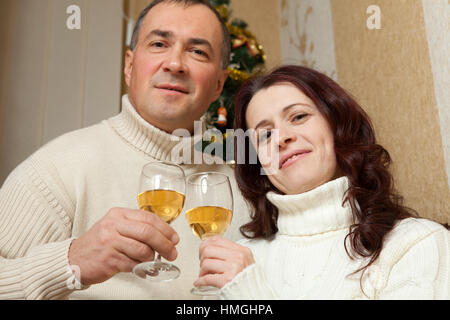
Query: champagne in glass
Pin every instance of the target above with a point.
(210, 210)
(161, 191)
(167, 204)
(209, 221)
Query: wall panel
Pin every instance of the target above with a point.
(389, 71)
(53, 79)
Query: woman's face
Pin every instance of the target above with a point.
(294, 142)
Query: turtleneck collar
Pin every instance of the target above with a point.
(158, 144)
(313, 212)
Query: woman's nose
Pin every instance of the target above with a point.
(285, 136)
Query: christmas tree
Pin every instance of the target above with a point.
(247, 60)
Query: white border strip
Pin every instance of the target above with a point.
(307, 35)
(437, 19)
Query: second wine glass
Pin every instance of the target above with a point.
(209, 210)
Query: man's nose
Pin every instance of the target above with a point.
(174, 62)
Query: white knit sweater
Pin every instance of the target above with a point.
(307, 260)
(61, 190)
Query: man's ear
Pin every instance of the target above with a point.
(220, 83)
(128, 66)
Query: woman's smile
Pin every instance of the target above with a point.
(292, 157)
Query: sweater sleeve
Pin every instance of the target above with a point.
(34, 238)
(250, 284)
(423, 272)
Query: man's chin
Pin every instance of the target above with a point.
(171, 126)
(167, 117)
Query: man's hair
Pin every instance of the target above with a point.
(226, 41)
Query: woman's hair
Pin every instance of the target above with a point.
(375, 204)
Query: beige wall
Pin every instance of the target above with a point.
(5, 38)
(52, 79)
(389, 71)
(399, 74)
(437, 17)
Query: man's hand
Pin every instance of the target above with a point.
(221, 260)
(119, 241)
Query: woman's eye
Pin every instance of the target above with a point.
(299, 117)
(264, 135)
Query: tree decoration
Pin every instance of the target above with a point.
(247, 60)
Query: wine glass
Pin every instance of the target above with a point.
(161, 191)
(209, 210)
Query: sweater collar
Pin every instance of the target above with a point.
(152, 141)
(313, 212)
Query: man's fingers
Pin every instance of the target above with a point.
(154, 220)
(134, 250)
(123, 263)
(148, 235)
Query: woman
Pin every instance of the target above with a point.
(327, 222)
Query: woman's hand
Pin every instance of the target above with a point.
(221, 260)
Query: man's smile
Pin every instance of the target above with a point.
(173, 88)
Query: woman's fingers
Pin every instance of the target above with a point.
(213, 266)
(219, 242)
(221, 260)
(227, 250)
(214, 280)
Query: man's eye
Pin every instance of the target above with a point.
(200, 52)
(157, 44)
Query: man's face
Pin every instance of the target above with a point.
(175, 72)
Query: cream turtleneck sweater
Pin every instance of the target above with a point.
(306, 259)
(61, 190)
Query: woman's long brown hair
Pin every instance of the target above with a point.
(375, 204)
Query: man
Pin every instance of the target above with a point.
(69, 224)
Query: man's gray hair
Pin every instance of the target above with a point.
(226, 41)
